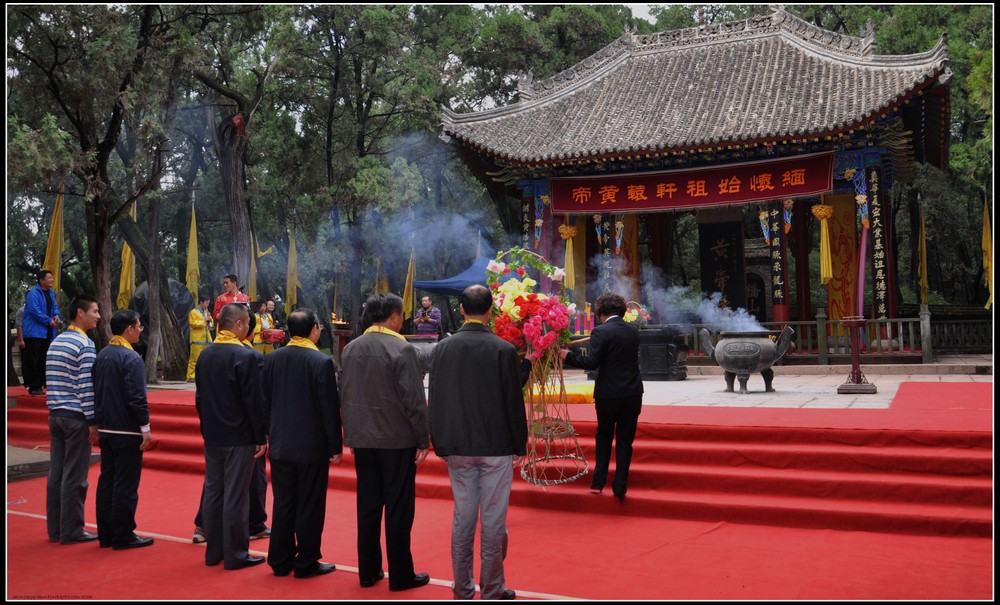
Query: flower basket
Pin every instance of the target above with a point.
(537, 325)
(636, 315)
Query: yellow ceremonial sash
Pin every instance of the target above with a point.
(474, 321)
(385, 330)
(225, 337)
(305, 343)
(119, 341)
(76, 329)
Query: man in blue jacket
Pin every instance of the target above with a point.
(123, 432)
(41, 318)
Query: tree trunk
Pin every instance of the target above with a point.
(230, 144)
(173, 349)
(99, 236)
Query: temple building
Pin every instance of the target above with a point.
(770, 120)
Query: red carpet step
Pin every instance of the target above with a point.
(931, 482)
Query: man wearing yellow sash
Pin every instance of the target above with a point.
(200, 324)
(123, 432)
(303, 408)
(229, 401)
(385, 422)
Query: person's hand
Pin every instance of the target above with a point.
(20, 343)
(518, 460)
(261, 450)
(92, 433)
(563, 353)
(147, 440)
(336, 458)
(421, 455)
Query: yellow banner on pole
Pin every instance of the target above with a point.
(54, 247)
(193, 273)
(293, 283)
(126, 280)
(411, 271)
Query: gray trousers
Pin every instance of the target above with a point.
(226, 508)
(481, 488)
(66, 489)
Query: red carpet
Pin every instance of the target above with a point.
(724, 503)
(552, 555)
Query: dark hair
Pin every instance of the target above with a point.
(301, 322)
(379, 307)
(203, 297)
(80, 302)
(476, 300)
(232, 277)
(231, 313)
(122, 319)
(609, 304)
(41, 274)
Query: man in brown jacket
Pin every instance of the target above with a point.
(384, 412)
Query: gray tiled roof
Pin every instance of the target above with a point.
(767, 78)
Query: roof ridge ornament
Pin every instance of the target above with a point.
(868, 39)
(525, 88)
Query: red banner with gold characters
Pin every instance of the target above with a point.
(695, 187)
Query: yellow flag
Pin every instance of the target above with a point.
(252, 284)
(126, 281)
(193, 273)
(381, 280)
(411, 272)
(922, 259)
(988, 251)
(53, 250)
(291, 292)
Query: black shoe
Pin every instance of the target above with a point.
(35, 392)
(421, 579)
(84, 536)
(321, 570)
(135, 542)
(508, 595)
(251, 561)
(620, 496)
(595, 489)
(281, 573)
(369, 582)
(106, 545)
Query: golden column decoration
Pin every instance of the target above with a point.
(823, 213)
(568, 233)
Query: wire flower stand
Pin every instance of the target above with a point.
(554, 453)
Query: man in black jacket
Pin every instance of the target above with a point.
(122, 415)
(479, 427)
(229, 399)
(614, 352)
(303, 408)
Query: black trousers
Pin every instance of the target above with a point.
(386, 481)
(118, 487)
(617, 419)
(33, 362)
(298, 517)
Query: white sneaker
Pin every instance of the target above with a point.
(199, 535)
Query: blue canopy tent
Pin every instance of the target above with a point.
(453, 286)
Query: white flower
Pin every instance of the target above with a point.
(495, 267)
(572, 309)
(558, 274)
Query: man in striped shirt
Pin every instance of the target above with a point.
(72, 425)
